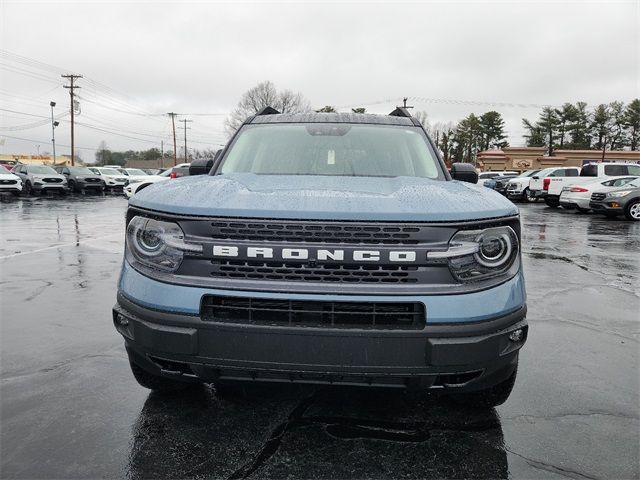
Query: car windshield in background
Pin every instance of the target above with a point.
(110, 171)
(332, 149)
(40, 169)
(528, 173)
(135, 171)
(80, 171)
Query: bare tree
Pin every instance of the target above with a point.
(265, 95)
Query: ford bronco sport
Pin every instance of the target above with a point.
(325, 248)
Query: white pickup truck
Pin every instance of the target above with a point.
(541, 182)
(548, 183)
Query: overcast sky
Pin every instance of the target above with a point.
(143, 59)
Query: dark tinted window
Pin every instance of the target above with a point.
(571, 173)
(589, 171)
(615, 170)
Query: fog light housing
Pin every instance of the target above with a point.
(517, 335)
(615, 205)
(122, 320)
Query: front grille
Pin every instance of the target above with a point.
(378, 315)
(334, 233)
(511, 186)
(8, 182)
(52, 180)
(598, 196)
(92, 180)
(325, 272)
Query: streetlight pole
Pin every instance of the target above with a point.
(53, 131)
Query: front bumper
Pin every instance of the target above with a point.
(58, 187)
(609, 207)
(464, 343)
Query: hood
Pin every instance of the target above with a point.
(324, 197)
(8, 176)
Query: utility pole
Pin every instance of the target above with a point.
(404, 103)
(184, 120)
(175, 148)
(161, 153)
(71, 87)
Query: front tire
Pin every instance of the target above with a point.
(156, 382)
(488, 398)
(632, 212)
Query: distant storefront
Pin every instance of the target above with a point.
(520, 159)
(37, 159)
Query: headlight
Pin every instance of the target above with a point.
(158, 244)
(623, 193)
(134, 181)
(480, 254)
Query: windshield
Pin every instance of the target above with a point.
(635, 183)
(40, 169)
(110, 171)
(335, 149)
(135, 171)
(80, 171)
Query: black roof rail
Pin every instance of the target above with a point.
(267, 111)
(401, 112)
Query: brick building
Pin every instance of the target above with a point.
(520, 159)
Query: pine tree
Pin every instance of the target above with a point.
(632, 122)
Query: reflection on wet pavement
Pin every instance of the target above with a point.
(70, 408)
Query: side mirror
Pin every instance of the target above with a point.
(200, 166)
(465, 172)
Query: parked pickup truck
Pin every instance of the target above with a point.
(553, 184)
(325, 248)
(539, 184)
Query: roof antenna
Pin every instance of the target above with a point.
(402, 111)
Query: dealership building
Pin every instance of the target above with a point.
(520, 159)
(37, 159)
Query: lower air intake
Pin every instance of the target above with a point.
(377, 315)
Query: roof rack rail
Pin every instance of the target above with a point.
(267, 111)
(401, 112)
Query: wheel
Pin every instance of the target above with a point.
(583, 210)
(632, 212)
(489, 398)
(15, 193)
(27, 188)
(528, 197)
(156, 382)
(552, 202)
(72, 186)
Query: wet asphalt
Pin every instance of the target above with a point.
(71, 409)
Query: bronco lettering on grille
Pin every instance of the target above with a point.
(335, 255)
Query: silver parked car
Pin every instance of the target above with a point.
(40, 178)
(82, 179)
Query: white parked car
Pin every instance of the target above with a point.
(579, 196)
(138, 184)
(113, 179)
(10, 182)
(133, 174)
(518, 187)
(483, 177)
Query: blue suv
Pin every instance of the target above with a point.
(325, 248)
